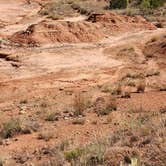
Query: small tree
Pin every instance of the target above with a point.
(156, 3)
(145, 4)
(118, 4)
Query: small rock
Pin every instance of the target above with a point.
(66, 118)
(146, 141)
(61, 89)
(163, 110)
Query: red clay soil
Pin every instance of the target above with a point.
(94, 29)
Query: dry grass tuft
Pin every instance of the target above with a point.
(18, 126)
(79, 121)
(113, 89)
(52, 116)
(105, 106)
(80, 103)
(68, 8)
(11, 128)
(45, 135)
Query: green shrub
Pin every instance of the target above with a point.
(73, 154)
(156, 3)
(89, 155)
(146, 4)
(118, 4)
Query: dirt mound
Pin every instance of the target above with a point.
(96, 27)
(50, 32)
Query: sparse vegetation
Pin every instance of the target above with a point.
(107, 106)
(73, 155)
(29, 125)
(134, 75)
(117, 90)
(45, 135)
(130, 83)
(92, 154)
(151, 3)
(151, 73)
(80, 104)
(146, 4)
(127, 51)
(64, 145)
(52, 116)
(11, 128)
(16, 126)
(113, 89)
(118, 4)
(126, 94)
(68, 8)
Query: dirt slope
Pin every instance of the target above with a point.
(82, 31)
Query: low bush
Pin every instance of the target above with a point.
(11, 128)
(80, 103)
(73, 155)
(147, 4)
(18, 126)
(106, 107)
(52, 116)
(90, 155)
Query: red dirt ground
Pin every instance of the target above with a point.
(91, 57)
